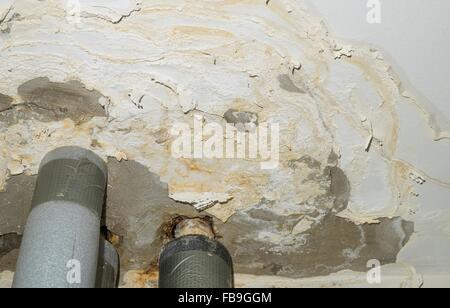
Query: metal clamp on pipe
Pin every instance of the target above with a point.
(60, 246)
(195, 261)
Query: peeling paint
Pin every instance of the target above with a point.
(349, 171)
(201, 201)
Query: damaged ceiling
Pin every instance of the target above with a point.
(363, 172)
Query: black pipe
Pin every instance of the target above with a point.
(195, 261)
(108, 266)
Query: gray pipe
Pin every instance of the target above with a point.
(195, 261)
(60, 245)
(108, 266)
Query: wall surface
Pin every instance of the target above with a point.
(363, 170)
(413, 36)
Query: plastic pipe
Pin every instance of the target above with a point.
(60, 245)
(195, 261)
(108, 266)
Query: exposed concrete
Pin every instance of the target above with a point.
(141, 213)
(242, 120)
(333, 245)
(5, 102)
(9, 242)
(9, 251)
(50, 101)
(138, 209)
(15, 203)
(287, 84)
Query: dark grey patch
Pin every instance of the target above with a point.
(9, 251)
(243, 120)
(307, 160)
(50, 101)
(5, 102)
(9, 242)
(15, 203)
(331, 246)
(333, 159)
(279, 222)
(314, 171)
(333, 179)
(287, 84)
(408, 228)
(138, 209)
(340, 188)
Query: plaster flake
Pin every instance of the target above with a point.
(201, 201)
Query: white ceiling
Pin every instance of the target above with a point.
(415, 34)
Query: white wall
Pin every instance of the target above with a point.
(414, 33)
(414, 36)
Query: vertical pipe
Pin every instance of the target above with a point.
(108, 266)
(195, 261)
(60, 245)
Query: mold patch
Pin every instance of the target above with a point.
(50, 101)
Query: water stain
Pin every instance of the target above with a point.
(48, 101)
